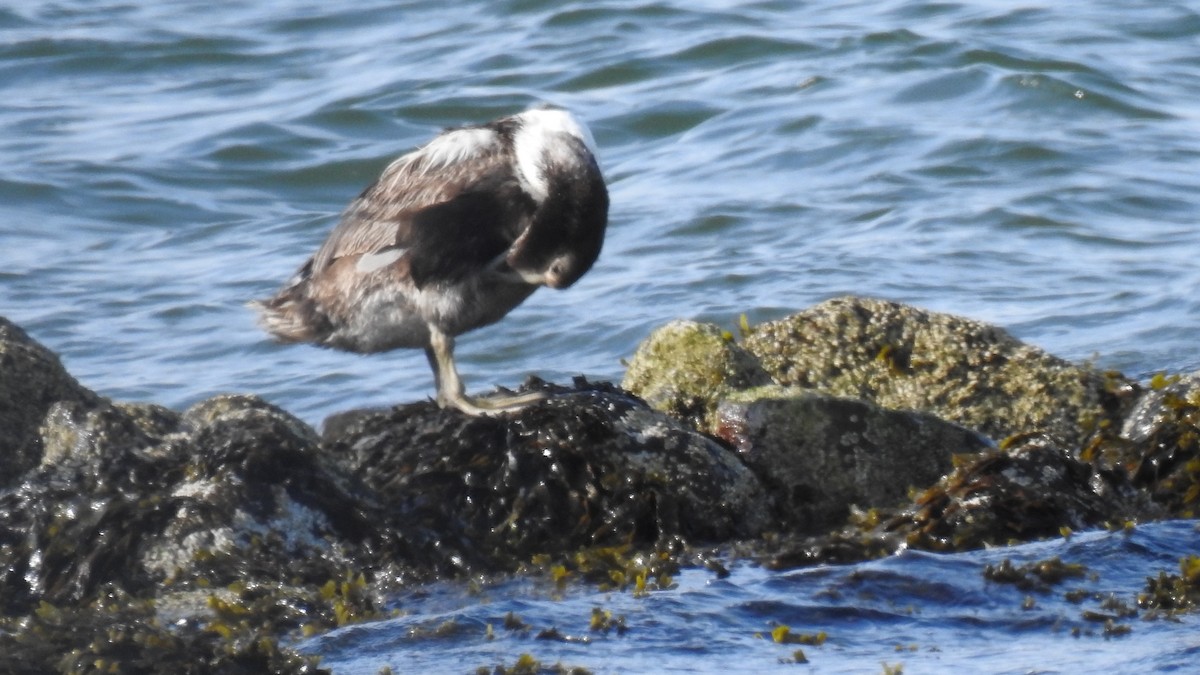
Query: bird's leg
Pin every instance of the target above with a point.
(451, 391)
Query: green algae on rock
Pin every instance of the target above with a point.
(685, 367)
(964, 371)
(821, 454)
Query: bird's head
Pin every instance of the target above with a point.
(555, 158)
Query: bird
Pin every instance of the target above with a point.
(451, 237)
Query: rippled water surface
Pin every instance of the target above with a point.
(1031, 166)
(918, 612)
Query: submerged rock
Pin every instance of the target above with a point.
(820, 455)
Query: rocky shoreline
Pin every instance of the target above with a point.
(142, 539)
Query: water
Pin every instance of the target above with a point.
(165, 162)
(1034, 167)
(922, 612)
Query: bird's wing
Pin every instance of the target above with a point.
(384, 216)
(469, 232)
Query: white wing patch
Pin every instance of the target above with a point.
(374, 261)
(453, 147)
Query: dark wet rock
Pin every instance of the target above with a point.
(819, 455)
(964, 371)
(1031, 490)
(1159, 443)
(244, 489)
(32, 379)
(131, 637)
(238, 525)
(72, 430)
(592, 466)
(684, 368)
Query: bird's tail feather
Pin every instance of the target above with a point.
(291, 317)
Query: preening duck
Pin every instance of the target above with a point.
(451, 237)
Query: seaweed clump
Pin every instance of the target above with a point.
(1173, 593)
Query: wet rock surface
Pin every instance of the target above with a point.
(591, 466)
(31, 380)
(820, 455)
(134, 538)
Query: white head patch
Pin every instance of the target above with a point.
(535, 140)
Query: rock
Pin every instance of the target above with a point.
(32, 379)
(134, 538)
(1031, 490)
(1159, 443)
(1159, 406)
(71, 430)
(235, 519)
(964, 371)
(684, 368)
(255, 492)
(819, 455)
(591, 466)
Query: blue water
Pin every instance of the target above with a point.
(1035, 167)
(923, 612)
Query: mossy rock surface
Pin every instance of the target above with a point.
(964, 371)
(684, 368)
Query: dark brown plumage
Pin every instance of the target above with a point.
(451, 237)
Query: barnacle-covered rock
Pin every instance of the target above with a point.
(32, 379)
(964, 371)
(819, 454)
(684, 368)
